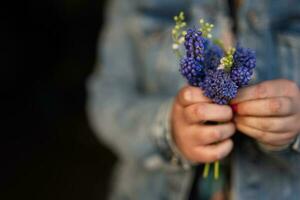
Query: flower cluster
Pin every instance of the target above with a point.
(219, 87)
(193, 71)
(244, 63)
(207, 65)
(194, 45)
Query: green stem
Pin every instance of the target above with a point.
(206, 170)
(216, 169)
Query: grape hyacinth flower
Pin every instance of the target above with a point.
(244, 63)
(192, 71)
(219, 87)
(207, 65)
(241, 75)
(212, 57)
(194, 45)
(244, 57)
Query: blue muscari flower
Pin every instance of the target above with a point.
(241, 75)
(243, 65)
(219, 87)
(195, 44)
(212, 57)
(200, 67)
(244, 57)
(191, 70)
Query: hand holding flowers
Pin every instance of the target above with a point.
(217, 74)
(269, 112)
(199, 142)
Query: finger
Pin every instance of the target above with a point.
(190, 95)
(276, 106)
(204, 135)
(274, 88)
(274, 139)
(269, 124)
(214, 152)
(202, 112)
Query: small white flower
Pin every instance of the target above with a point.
(222, 66)
(175, 46)
(181, 40)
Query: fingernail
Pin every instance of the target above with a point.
(234, 107)
(188, 95)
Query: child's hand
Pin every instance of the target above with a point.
(269, 112)
(194, 139)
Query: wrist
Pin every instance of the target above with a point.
(293, 145)
(178, 157)
(271, 148)
(164, 139)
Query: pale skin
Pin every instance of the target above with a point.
(199, 142)
(269, 112)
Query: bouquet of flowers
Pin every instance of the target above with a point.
(206, 64)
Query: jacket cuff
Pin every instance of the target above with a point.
(162, 137)
(294, 146)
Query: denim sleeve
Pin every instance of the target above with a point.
(287, 158)
(136, 77)
(121, 112)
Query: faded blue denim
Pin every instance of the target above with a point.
(131, 91)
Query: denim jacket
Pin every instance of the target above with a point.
(131, 92)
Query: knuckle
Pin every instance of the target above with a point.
(216, 135)
(200, 112)
(261, 91)
(275, 105)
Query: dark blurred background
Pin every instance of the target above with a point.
(48, 151)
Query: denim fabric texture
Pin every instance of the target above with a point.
(136, 78)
